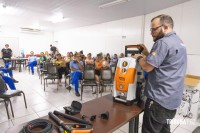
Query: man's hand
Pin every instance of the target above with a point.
(137, 55)
(145, 50)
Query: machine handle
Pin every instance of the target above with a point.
(71, 118)
(58, 121)
(141, 49)
(138, 51)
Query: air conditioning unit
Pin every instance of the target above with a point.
(30, 30)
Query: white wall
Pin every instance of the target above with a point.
(187, 19)
(105, 37)
(36, 42)
(27, 41)
(113, 36)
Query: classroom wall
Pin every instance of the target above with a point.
(28, 41)
(186, 19)
(108, 37)
(113, 36)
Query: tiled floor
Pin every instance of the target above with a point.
(40, 103)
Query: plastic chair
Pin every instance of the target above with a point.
(52, 73)
(113, 68)
(9, 94)
(88, 80)
(106, 78)
(6, 106)
(89, 67)
(68, 76)
(43, 71)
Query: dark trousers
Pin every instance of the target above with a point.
(61, 70)
(155, 118)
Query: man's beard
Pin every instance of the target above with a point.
(160, 35)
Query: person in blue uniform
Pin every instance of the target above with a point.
(166, 66)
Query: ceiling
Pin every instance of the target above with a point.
(35, 13)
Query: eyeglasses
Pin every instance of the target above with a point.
(154, 29)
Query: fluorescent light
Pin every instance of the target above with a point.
(112, 3)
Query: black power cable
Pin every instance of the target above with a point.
(45, 125)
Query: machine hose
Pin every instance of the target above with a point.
(45, 125)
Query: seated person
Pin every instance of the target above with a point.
(8, 69)
(55, 54)
(100, 63)
(76, 67)
(122, 55)
(32, 61)
(42, 59)
(114, 60)
(68, 59)
(89, 60)
(61, 66)
(8, 81)
(107, 58)
(46, 54)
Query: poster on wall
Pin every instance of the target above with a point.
(13, 44)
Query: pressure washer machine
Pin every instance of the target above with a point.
(129, 77)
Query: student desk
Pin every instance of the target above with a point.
(119, 114)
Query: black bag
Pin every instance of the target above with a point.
(75, 108)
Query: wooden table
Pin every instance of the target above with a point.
(119, 114)
(14, 61)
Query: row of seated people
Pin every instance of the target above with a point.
(74, 63)
(33, 60)
(76, 66)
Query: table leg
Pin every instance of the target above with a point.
(15, 62)
(134, 125)
(20, 62)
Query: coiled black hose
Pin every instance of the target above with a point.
(45, 125)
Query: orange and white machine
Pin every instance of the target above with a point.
(128, 77)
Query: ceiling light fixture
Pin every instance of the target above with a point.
(112, 3)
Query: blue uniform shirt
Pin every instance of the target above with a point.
(75, 65)
(165, 83)
(32, 58)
